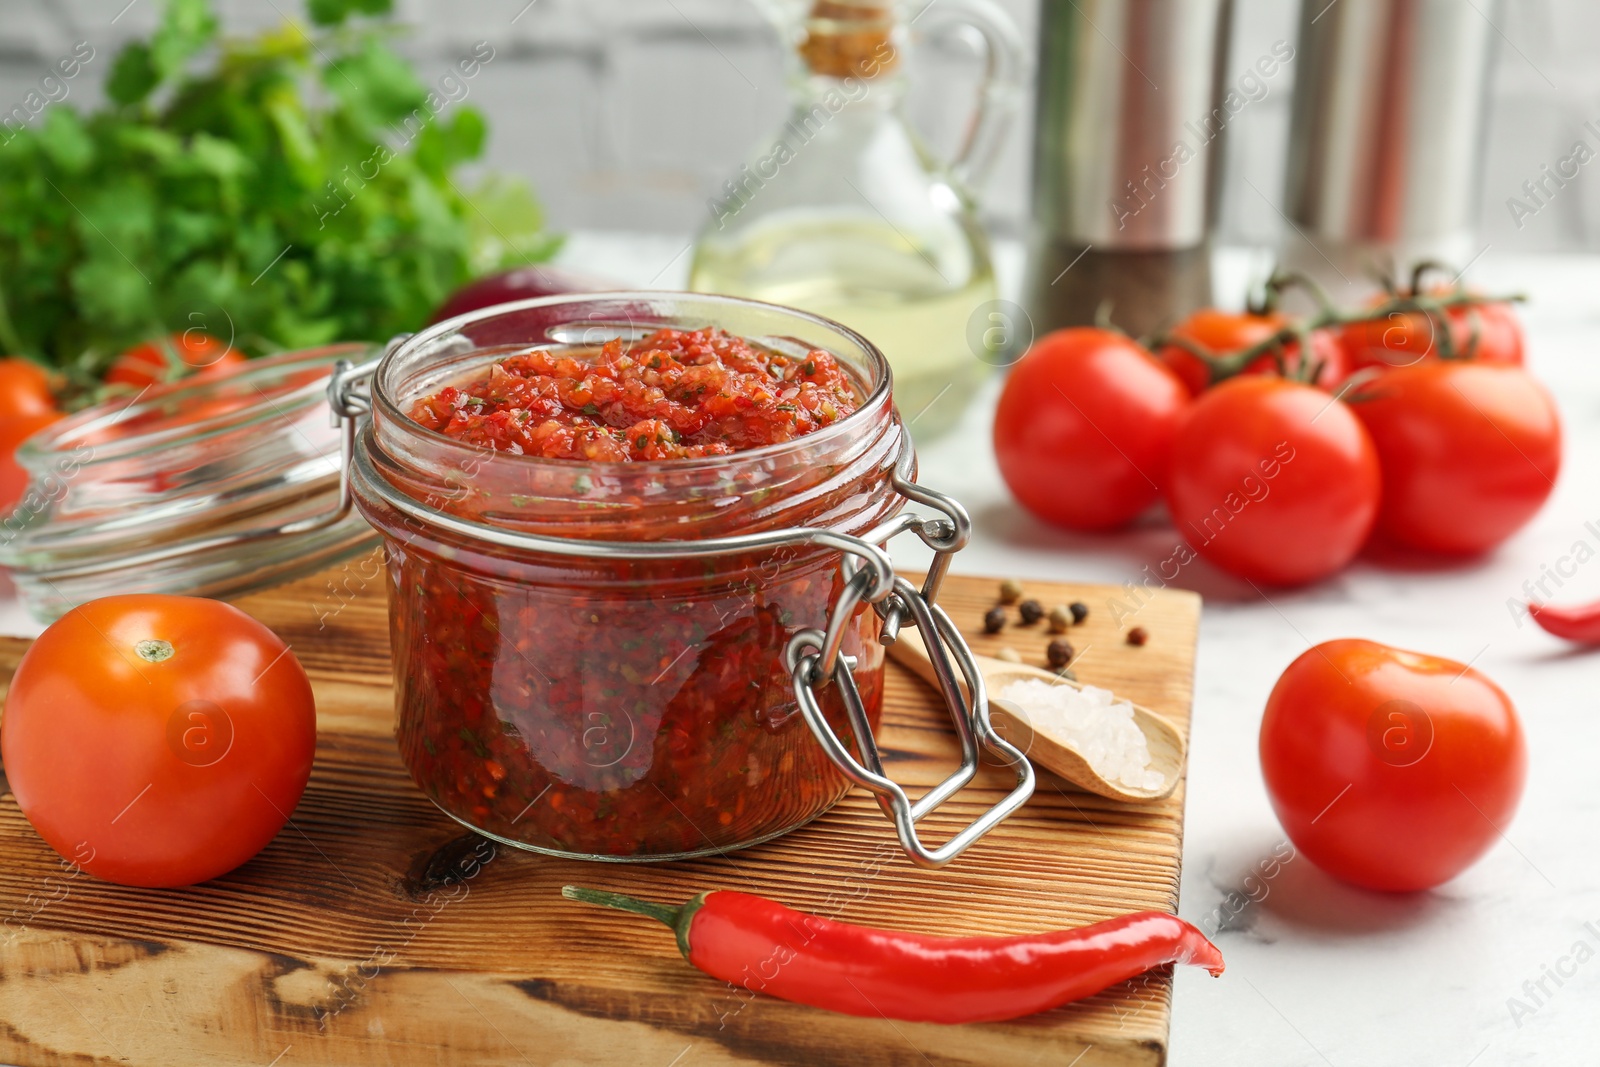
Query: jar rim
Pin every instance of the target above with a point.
(105, 427)
(876, 398)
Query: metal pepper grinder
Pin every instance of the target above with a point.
(1128, 124)
(1386, 139)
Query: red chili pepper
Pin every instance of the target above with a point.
(768, 948)
(1580, 624)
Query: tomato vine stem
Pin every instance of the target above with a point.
(1432, 306)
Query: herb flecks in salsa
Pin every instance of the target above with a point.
(676, 395)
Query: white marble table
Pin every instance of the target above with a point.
(1322, 974)
(1319, 974)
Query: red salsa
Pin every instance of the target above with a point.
(676, 395)
(626, 708)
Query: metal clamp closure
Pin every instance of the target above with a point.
(814, 661)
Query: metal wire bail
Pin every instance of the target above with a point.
(813, 659)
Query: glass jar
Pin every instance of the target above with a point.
(610, 660)
(214, 486)
(845, 212)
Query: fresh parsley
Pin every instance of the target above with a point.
(286, 190)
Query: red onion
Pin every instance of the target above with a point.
(520, 283)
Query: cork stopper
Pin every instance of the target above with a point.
(846, 38)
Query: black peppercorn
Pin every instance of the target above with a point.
(994, 620)
(1031, 611)
(1137, 636)
(1059, 654)
(1079, 609)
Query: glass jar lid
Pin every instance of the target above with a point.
(173, 470)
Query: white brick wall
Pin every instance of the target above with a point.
(627, 113)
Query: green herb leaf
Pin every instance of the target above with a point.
(290, 189)
(64, 141)
(333, 12)
(133, 74)
(377, 87)
(186, 27)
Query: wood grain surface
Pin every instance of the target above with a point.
(354, 938)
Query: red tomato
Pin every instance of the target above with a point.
(1273, 481)
(158, 740)
(1223, 332)
(24, 388)
(1407, 337)
(150, 364)
(1391, 770)
(1469, 451)
(15, 429)
(1084, 428)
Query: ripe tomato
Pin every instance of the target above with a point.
(1407, 337)
(158, 740)
(15, 429)
(1391, 770)
(1223, 332)
(1084, 427)
(24, 388)
(151, 364)
(1469, 451)
(1273, 481)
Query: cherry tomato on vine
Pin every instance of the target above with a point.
(1389, 769)
(1273, 481)
(1407, 337)
(1084, 428)
(151, 364)
(24, 388)
(1223, 332)
(1470, 451)
(158, 740)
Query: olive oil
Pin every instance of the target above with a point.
(921, 299)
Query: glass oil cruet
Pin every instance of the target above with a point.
(845, 213)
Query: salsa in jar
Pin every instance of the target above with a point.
(626, 708)
(679, 394)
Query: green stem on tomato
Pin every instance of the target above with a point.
(1282, 280)
(1384, 276)
(1310, 366)
(1474, 333)
(1353, 390)
(1264, 302)
(1234, 363)
(1439, 328)
(1421, 269)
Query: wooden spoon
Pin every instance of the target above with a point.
(1047, 750)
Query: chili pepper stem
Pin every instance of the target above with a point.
(677, 919)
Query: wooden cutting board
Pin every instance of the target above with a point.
(343, 944)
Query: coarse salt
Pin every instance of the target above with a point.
(1092, 721)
